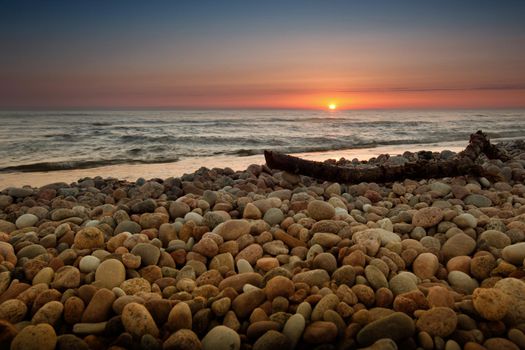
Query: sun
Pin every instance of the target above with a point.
(332, 106)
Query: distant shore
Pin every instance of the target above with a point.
(132, 172)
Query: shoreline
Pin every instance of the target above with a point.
(132, 172)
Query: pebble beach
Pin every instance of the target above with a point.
(264, 259)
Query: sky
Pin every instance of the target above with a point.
(262, 54)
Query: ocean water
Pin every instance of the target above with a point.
(59, 140)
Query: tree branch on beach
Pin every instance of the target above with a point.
(463, 164)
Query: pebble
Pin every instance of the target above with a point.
(148, 253)
(232, 229)
(320, 210)
(89, 238)
(396, 326)
(183, 339)
(427, 217)
(438, 321)
(13, 310)
(293, 329)
(514, 254)
(320, 332)
(138, 321)
(110, 273)
(458, 245)
(491, 303)
(425, 265)
(88, 264)
(26, 220)
(50, 313)
(221, 338)
(39, 337)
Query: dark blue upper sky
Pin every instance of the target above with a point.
(167, 52)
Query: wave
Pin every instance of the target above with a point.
(82, 164)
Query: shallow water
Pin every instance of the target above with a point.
(61, 140)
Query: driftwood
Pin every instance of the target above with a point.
(463, 164)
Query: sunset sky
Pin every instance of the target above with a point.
(262, 54)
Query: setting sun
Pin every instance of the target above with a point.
(332, 106)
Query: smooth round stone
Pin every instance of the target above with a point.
(180, 317)
(138, 321)
(44, 276)
(396, 326)
(494, 239)
(178, 209)
(251, 212)
(88, 263)
(462, 281)
(514, 254)
(477, 200)
(31, 251)
(375, 277)
(50, 313)
(232, 229)
(441, 188)
(438, 321)
(26, 220)
(13, 311)
(325, 261)
(39, 337)
(127, 226)
(293, 329)
(425, 265)
(221, 338)
(195, 217)
(315, 277)
(320, 210)
(273, 216)
(110, 273)
(465, 220)
(244, 266)
(403, 282)
(427, 217)
(66, 277)
(328, 302)
(458, 245)
(148, 253)
(279, 286)
(491, 303)
(89, 238)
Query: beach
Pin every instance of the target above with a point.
(249, 257)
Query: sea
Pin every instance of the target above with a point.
(43, 141)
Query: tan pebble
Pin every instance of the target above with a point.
(73, 310)
(438, 321)
(13, 310)
(183, 339)
(39, 337)
(138, 321)
(279, 286)
(49, 313)
(180, 317)
(88, 238)
(492, 304)
(221, 307)
(221, 338)
(135, 285)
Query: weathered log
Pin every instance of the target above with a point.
(463, 164)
